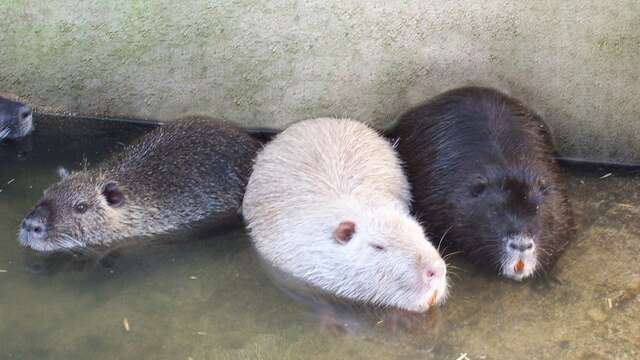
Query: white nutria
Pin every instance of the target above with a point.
(328, 203)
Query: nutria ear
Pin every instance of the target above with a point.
(344, 232)
(62, 172)
(543, 186)
(112, 194)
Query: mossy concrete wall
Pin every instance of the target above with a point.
(270, 63)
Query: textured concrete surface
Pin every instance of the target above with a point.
(270, 63)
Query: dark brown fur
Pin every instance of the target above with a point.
(481, 167)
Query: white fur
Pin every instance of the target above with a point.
(62, 172)
(511, 258)
(319, 173)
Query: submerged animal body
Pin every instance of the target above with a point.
(16, 119)
(483, 174)
(328, 203)
(192, 171)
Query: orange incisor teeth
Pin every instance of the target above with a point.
(432, 300)
(519, 266)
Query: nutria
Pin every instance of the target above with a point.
(328, 203)
(190, 171)
(484, 179)
(16, 119)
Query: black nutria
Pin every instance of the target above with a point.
(16, 119)
(186, 173)
(484, 180)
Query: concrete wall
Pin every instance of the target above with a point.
(270, 63)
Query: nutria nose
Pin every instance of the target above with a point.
(436, 270)
(35, 222)
(34, 226)
(522, 245)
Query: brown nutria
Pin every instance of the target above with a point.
(16, 119)
(328, 203)
(190, 171)
(484, 179)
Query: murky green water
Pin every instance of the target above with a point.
(210, 299)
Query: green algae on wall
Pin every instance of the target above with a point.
(270, 63)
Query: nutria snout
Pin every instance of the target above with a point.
(34, 226)
(16, 119)
(484, 179)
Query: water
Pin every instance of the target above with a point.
(210, 299)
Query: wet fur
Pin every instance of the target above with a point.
(319, 173)
(189, 172)
(451, 138)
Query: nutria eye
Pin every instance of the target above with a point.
(81, 208)
(478, 188)
(378, 247)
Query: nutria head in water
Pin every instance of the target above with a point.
(505, 220)
(16, 119)
(82, 210)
